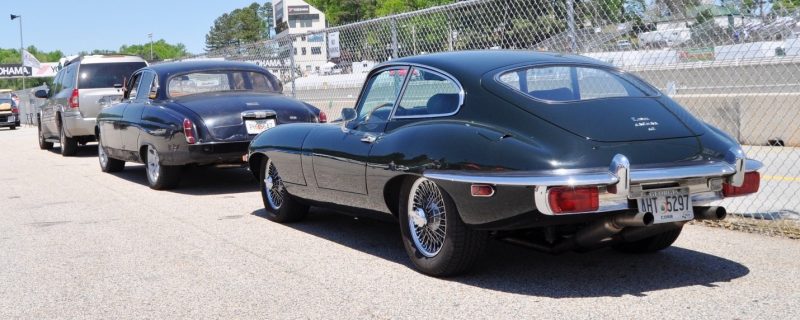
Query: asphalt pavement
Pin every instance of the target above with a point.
(79, 243)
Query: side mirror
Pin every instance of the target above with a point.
(348, 114)
(41, 93)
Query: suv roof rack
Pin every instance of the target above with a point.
(112, 55)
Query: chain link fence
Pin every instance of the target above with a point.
(738, 71)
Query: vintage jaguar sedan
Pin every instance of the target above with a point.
(195, 112)
(554, 152)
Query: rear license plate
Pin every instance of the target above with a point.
(12, 119)
(259, 126)
(667, 205)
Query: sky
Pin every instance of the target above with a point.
(85, 25)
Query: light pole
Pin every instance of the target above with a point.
(21, 46)
(150, 35)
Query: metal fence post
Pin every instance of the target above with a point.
(394, 39)
(573, 45)
(291, 64)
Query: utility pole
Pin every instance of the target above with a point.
(21, 47)
(150, 35)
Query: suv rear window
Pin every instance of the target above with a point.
(574, 83)
(106, 75)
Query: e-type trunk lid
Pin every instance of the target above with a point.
(616, 119)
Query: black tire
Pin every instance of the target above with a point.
(460, 246)
(13, 128)
(69, 146)
(108, 164)
(160, 177)
(43, 144)
(652, 244)
(278, 203)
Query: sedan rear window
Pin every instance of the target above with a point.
(574, 83)
(223, 80)
(106, 75)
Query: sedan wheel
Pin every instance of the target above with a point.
(278, 203)
(160, 177)
(435, 238)
(108, 164)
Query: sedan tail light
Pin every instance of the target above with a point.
(189, 131)
(752, 180)
(323, 118)
(14, 110)
(572, 200)
(73, 99)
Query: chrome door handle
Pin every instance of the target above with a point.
(368, 138)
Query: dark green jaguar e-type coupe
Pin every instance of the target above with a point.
(555, 152)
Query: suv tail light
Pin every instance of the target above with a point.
(189, 131)
(751, 182)
(73, 99)
(323, 118)
(14, 110)
(573, 200)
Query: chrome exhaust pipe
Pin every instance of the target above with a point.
(597, 233)
(709, 213)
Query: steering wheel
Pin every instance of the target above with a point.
(378, 112)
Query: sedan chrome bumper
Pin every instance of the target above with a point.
(619, 182)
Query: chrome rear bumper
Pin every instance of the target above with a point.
(619, 182)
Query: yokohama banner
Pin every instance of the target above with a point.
(45, 70)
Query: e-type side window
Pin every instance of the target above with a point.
(572, 83)
(380, 94)
(428, 94)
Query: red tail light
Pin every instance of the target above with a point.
(572, 200)
(751, 182)
(189, 132)
(73, 99)
(14, 110)
(323, 118)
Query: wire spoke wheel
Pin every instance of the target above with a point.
(273, 186)
(427, 217)
(153, 166)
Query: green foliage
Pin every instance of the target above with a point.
(780, 6)
(339, 12)
(704, 16)
(12, 56)
(243, 25)
(161, 50)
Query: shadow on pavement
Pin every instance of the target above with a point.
(200, 180)
(513, 269)
(88, 151)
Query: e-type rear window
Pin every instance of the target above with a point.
(574, 83)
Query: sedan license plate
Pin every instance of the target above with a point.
(259, 126)
(667, 205)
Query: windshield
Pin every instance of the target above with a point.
(220, 81)
(106, 75)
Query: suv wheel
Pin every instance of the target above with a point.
(69, 147)
(43, 144)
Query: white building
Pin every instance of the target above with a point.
(296, 17)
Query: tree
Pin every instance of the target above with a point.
(338, 12)
(243, 25)
(161, 50)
